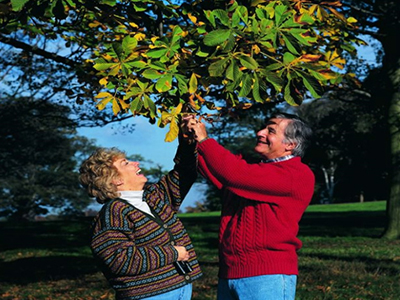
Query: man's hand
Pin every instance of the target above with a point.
(196, 128)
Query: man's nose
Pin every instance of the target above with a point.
(262, 132)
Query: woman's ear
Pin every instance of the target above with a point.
(117, 182)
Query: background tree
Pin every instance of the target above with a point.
(39, 156)
(342, 151)
(379, 20)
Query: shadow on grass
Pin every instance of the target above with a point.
(45, 235)
(352, 223)
(37, 269)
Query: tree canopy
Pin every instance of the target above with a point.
(159, 59)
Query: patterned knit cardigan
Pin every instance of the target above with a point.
(135, 250)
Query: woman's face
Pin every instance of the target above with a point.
(130, 178)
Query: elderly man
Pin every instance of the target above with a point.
(262, 206)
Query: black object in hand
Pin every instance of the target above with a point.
(183, 267)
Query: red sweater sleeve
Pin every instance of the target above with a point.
(252, 181)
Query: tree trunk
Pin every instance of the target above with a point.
(391, 65)
(393, 204)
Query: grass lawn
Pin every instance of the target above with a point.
(342, 257)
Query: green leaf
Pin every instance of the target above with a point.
(279, 12)
(217, 37)
(182, 83)
(288, 97)
(17, 5)
(201, 53)
(233, 72)
(290, 45)
(142, 85)
(136, 106)
(216, 69)
(275, 80)
(128, 44)
(152, 74)
(101, 65)
(288, 58)
(248, 62)
(256, 89)
(302, 37)
(126, 70)
(164, 83)
(150, 106)
(109, 2)
(247, 83)
(176, 34)
(210, 17)
(139, 64)
(157, 53)
(243, 13)
(222, 15)
(312, 84)
(157, 65)
(118, 50)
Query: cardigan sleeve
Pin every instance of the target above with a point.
(174, 186)
(252, 181)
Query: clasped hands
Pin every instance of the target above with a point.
(193, 129)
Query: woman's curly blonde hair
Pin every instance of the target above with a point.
(97, 173)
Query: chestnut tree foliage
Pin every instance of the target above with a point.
(159, 59)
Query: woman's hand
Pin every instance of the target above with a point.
(183, 254)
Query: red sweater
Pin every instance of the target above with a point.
(262, 206)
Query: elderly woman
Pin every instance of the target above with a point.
(142, 247)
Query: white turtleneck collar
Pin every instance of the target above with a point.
(135, 198)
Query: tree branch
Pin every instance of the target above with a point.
(38, 51)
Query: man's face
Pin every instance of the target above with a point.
(270, 140)
(130, 178)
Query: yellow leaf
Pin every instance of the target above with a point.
(256, 49)
(103, 95)
(166, 117)
(123, 104)
(173, 132)
(94, 24)
(115, 107)
(335, 59)
(352, 20)
(102, 104)
(309, 58)
(134, 25)
(103, 81)
(114, 70)
(328, 74)
(178, 109)
(193, 83)
(140, 36)
(192, 18)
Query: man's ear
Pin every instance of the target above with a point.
(290, 146)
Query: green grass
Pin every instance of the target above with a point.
(342, 257)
